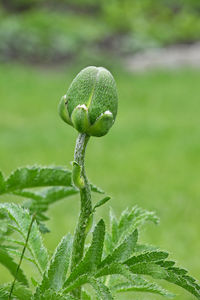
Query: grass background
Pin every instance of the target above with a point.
(149, 158)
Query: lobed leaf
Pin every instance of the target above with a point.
(93, 255)
(141, 285)
(30, 177)
(20, 292)
(52, 295)
(132, 219)
(152, 256)
(22, 220)
(123, 251)
(43, 199)
(7, 261)
(102, 291)
(179, 277)
(149, 268)
(55, 276)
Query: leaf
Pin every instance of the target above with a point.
(102, 291)
(52, 295)
(151, 269)
(101, 202)
(29, 177)
(180, 278)
(132, 219)
(115, 269)
(93, 256)
(20, 292)
(152, 256)
(141, 285)
(47, 195)
(7, 261)
(2, 183)
(43, 199)
(22, 220)
(113, 227)
(85, 296)
(77, 282)
(55, 276)
(96, 189)
(123, 251)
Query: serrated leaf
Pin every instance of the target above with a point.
(22, 221)
(101, 202)
(151, 269)
(7, 261)
(152, 256)
(55, 276)
(29, 177)
(77, 282)
(20, 292)
(93, 256)
(181, 279)
(113, 227)
(47, 195)
(115, 269)
(52, 295)
(132, 219)
(43, 199)
(102, 291)
(123, 251)
(141, 285)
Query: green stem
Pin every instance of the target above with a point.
(86, 207)
(22, 255)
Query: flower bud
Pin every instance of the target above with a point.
(90, 104)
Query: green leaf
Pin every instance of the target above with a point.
(20, 292)
(43, 199)
(22, 220)
(102, 291)
(55, 276)
(151, 269)
(77, 282)
(115, 269)
(29, 177)
(52, 295)
(48, 195)
(113, 227)
(85, 296)
(123, 251)
(2, 183)
(101, 202)
(93, 256)
(7, 261)
(96, 189)
(141, 285)
(179, 277)
(152, 256)
(132, 219)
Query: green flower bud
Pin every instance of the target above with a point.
(90, 104)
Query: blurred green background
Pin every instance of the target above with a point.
(151, 155)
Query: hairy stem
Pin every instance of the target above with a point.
(22, 255)
(86, 206)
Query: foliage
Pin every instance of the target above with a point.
(109, 270)
(114, 260)
(47, 34)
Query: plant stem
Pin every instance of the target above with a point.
(86, 207)
(22, 255)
